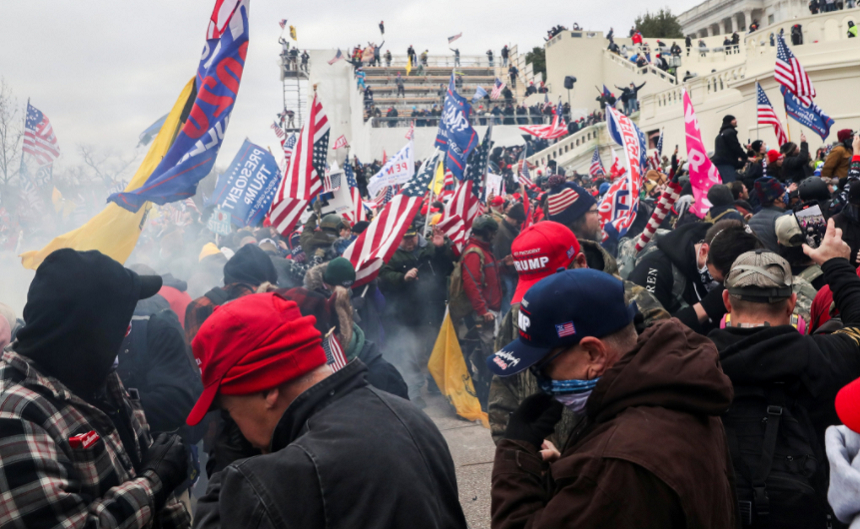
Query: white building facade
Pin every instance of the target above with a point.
(719, 17)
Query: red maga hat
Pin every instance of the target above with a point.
(252, 344)
(539, 251)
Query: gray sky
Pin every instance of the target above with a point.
(104, 70)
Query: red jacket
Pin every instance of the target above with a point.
(484, 294)
(178, 300)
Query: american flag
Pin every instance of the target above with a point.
(448, 185)
(340, 142)
(767, 115)
(334, 355)
(279, 132)
(337, 57)
(375, 246)
(331, 180)
(465, 205)
(596, 168)
(411, 133)
(548, 132)
(383, 198)
(39, 139)
(565, 329)
(498, 86)
(283, 23)
(523, 175)
(357, 213)
(655, 162)
(288, 145)
(301, 181)
(561, 201)
(789, 73)
(455, 37)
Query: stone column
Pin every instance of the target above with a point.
(747, 19)
(734, 24)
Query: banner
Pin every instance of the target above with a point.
(621, 203)
(195, 149)
(494, 185)
(809, 116)
(399, 169)
(703, 173)
(448, 369)
(456, 137)
(247, 188)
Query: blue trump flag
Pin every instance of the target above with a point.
(248, 187)
(193, 153)
(456, 137)
(810, 116)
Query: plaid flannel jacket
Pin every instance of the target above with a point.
(45, 482)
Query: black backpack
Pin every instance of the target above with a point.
(780, 465)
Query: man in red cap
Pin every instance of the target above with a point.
(539, 251)
(324, 436)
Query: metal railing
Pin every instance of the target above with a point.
(433, 121)
(440, 61)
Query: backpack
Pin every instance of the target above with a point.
(459, 305)
(780, 465)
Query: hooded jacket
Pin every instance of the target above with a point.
(814, 367)
(390, 469)
(654, 271)
(727, 148)
(796, 167)
(652, 453)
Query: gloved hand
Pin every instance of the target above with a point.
(713, 304)
(535, 419)
(167, 457)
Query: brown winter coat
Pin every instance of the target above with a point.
(837, 162)
(653, 453)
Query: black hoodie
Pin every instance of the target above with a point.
(655, 273)
(814, 367)
(78, 311)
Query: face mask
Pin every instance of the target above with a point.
(572, 393)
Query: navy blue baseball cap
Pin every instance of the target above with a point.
(561, 310)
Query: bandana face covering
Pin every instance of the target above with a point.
(572, 393)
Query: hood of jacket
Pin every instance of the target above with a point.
(314, 277)
(670, 367)
(678, 246)
(596, 255)
(758, 355)
(169, 281)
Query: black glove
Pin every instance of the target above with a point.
(713, 304)
(535, 419)
(167, 457)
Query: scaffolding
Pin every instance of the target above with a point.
(294, 78)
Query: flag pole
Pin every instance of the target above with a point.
(26, 111)
(787, 125)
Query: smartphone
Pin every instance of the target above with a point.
(812, 225)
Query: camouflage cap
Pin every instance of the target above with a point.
(761, 276)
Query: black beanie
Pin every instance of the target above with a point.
(251, 265)
(727, 119)
(517, 212)
(720, 195)
(78, 310)
(756, 145)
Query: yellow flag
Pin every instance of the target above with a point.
(409, 65)
(293, 32)
(114, 231)
(449, 371)
(439, 179)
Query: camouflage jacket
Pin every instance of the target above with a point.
(507, 393)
